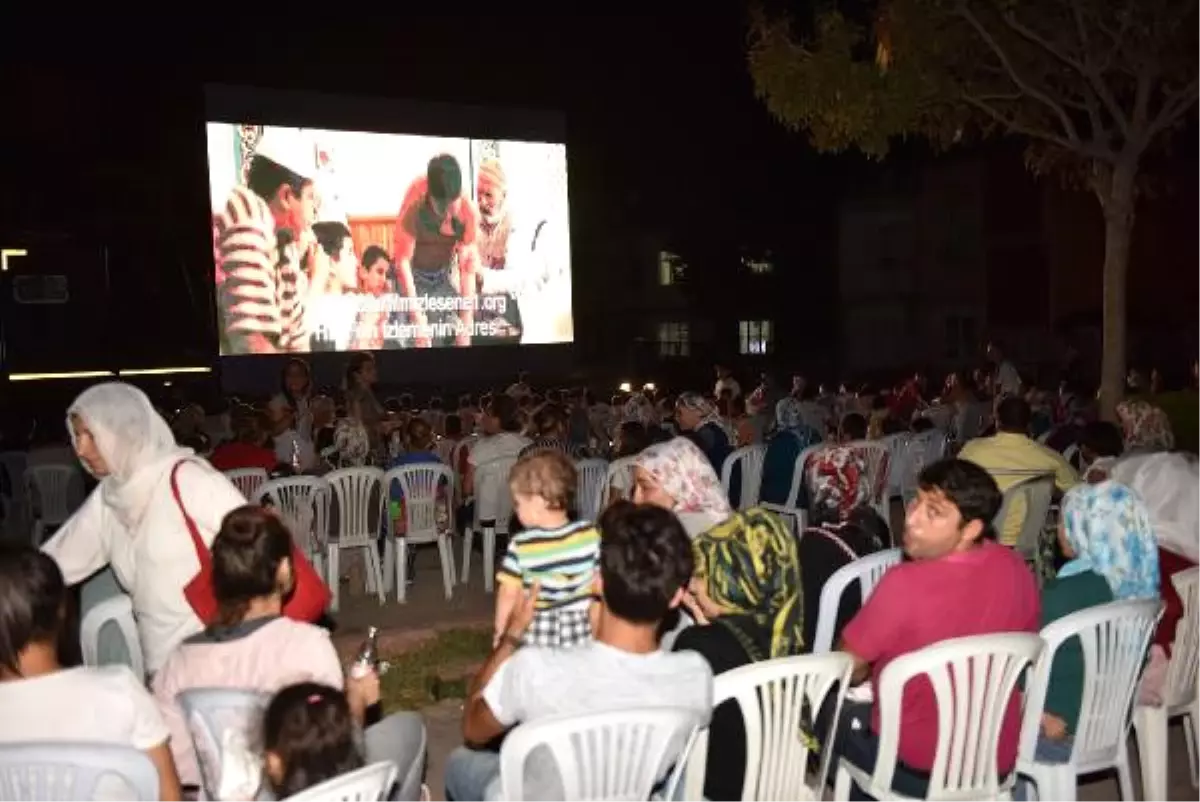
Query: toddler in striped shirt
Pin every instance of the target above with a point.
(558, 554)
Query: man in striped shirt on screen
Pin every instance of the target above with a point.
(264, 232)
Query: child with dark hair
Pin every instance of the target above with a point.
(309, 736)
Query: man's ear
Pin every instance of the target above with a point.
(973, 531)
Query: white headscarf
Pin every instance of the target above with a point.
(136, 443)
(1169, 484)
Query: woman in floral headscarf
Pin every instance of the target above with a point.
(700, 422)
(746, 594)
(1146, 427)
(791, 437)
(1108, 539)
(641, 410)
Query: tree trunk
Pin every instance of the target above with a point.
(1118, 204)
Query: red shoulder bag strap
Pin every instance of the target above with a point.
(202, 552)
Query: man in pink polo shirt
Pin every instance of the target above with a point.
(957, 581)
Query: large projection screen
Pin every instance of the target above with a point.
(336, 240)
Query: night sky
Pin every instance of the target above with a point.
(665, 136)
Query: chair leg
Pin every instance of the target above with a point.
(389, 550)
(401, 570)
(468, 544)
(374, 573)
(1125, 776)
(1191, 731)
(331, 576)
(489, 559)
(446, 556)
(1150, 727)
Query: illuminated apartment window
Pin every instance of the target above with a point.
(673, 339)
(755, 337)
(671, 268)
(759, 267)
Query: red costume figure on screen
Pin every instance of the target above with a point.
(263, 234)
(436, 256)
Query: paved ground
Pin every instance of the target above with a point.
(427, 611)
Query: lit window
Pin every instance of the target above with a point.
(754, 337)
(671, 268)
(673, 339)
(759, 267)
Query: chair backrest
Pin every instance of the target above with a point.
(867, 571)
(921, 449)
(298, 500)
(1182, 674)
(615, 754)
(1038, 491)
(361, 498)
(778, 699)
(445, 450)
(209, 713)
(877, 456)
(973, 681)
(367, 784)
(751, 458)
(116, 610)
(12, 472)
(53, 770)
(58, 489)
(1114, 638)
(493, 501)
(623, 467)
(591, 487)
(420, 483)
(248, 480)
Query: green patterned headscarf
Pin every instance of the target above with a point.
(751, 567)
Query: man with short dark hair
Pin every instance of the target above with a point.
(957, 582)
(1011, 456)
(645, 564)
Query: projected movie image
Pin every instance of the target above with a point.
(353, 241)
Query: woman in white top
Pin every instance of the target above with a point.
(132, 520)
(42, 701)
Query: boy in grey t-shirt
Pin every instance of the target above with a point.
(645, 565)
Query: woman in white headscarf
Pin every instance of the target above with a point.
(132, 520)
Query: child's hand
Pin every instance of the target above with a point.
(522, 614)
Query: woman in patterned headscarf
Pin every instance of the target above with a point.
(700, 422)
(1108, 539)
(746, 594)
(791, 437)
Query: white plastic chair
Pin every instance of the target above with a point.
(866, 571)
(248, 480)
(1036, 490)
(876, 455)
(493, 509)
(791, 509)
(360, 496)
(921, 449)
(623, 468)
(116, 610)
(367, 784)
(420, 484)
(897, 449)
(973, 681)
(54, 770)
(615, 754)
(1114, 638)
(211, 714)
(778, 699)
(13, 505)
(751, 459)
(590, 488)
(1179, 695)
(302, 502)
(53, 491)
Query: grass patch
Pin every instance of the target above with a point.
(437, 669)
